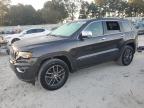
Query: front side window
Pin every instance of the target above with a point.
(68, 29)
(96, 28)
(31, 31)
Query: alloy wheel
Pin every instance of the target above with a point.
(55, 75)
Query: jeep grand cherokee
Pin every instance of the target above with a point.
(73, 46)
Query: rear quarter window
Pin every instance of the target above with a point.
(127, 27)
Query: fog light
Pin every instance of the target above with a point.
(20, 70)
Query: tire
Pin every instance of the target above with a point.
(53, 74)
(126, 56)
(14, 40)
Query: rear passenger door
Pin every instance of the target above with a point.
(114, 37)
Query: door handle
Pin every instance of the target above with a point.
(103, 38)
(122, 35)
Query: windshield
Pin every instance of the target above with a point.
(23, 32)
(68, 29)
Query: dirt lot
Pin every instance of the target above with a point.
(106, 85)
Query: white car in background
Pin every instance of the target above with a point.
(30, 33)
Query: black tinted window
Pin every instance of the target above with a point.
(40, 30)
(113, 25)
(35, 31)
(31, 31)
(126, 26)
(96, 28)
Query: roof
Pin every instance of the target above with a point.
(103, 19)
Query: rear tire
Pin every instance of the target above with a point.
(53, 74)
(126, 56)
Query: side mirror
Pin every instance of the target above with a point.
(85, 34)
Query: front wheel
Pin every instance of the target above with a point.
(126, 56)
(53, 74)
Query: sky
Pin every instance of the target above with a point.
(37, 4)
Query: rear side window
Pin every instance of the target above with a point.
(126, 26)
(40, 30)
(112, 27)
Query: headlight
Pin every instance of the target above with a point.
(25, 55)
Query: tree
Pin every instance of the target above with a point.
(93, 10)
(136, 7)
(22, 15)
(71, 8)
(100, 2)
(3, 10)
(54, 11)
(84, 10)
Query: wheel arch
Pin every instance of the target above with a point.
(131, 43)
(14, 39)
(61, 57)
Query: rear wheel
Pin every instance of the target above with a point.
(126, 56)
(53, 74)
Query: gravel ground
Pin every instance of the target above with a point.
(106, 85)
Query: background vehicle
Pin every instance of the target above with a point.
(73, 46)
(140, 28)
(30, 33)
(2, 41)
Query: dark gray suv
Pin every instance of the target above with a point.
(73, 46)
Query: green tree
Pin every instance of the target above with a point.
(71, 8)
(3, 10)
(84, 10)
(93, 10)
(54, 11)
(22, 15)
(136, 7)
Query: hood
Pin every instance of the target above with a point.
(12, 35)
(36, 42)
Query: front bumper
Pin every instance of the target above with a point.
(25, 70)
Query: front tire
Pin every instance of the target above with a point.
(53, 74)
(126, 57)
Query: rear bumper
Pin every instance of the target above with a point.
(25, 71)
